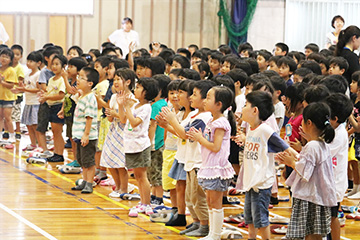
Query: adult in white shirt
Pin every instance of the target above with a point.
(124, 36)
(332, 37)
(4, 37)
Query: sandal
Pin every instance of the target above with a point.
(278, 229)
(233, 200)
(164, 216)
(230, 233)
(243, 225)
(279, 220)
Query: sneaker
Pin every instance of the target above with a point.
(74, 163)
(5, 135)
(114, 194)
(148, 210)
(68, 144)
(18, 136)
(12, 139)
(133, 212)
(47, 154)
(55, 158)
(342, 221)
(29, 147)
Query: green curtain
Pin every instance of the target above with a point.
(235, 31)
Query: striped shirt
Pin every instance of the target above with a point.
(86, 107)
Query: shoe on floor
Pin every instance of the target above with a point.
(133, 212)
(68, 144)
(5, 135)
(55, 158)
(18, 136)
(114, 194)
(355, 196)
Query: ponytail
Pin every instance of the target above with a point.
(345, 37)
(232, 119)
(328, 134)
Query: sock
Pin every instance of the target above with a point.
(88, 188)
(97, 171)
(217, 222)
(203, 230)
(177, 220)
(211, 222)
(350, 184)
(102, 174)
(152, 198)
(79, 187)
(194, 226)
(159, 200)
(225, 200)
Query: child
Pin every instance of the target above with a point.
(338, 66)
(287, 67)
(85, 127)
(113, 154)
(263, 59)
(312, 181)
(281, 49)
(311, 48)
(279, 87)
(180, 62)
(16, 113)
(31, 88)
(156, 135)
(203, 68)
(341, 108)
(7, 98)
(216, 172)
(137, 144)
(73, 52)
(214, 63)
(273, 63)
(54, 97)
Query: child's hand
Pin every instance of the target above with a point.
(238, 116)
(64, 74)
(303, 134)
(42, 96)
(84, 140)
(239, 139)
(110, 112)
(121, 98)
(194, 134)
(286, 158)
(61, 114)
(161, 121)
(15, 90)
(73, 90)
(168, 114)
(132, 46)
(296, 145)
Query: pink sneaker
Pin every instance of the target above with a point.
(133, 212)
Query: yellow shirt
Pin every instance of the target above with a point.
(19, 70)
(10, 77)
(54, 87)
(100, 89)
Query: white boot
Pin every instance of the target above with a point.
(218, 218)
(355, 189)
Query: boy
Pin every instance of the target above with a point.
(245, 49)
(281, 49)
(156, 135)
(180, 62)
(287, 67)
(273, 63)
(311, 48)
(263, 59)
(338, 65)
(300, 73)
(258, 168)
(341, 108)
(228, 63)
(214, 63)
(85, 127)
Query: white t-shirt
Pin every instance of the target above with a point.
(339, 156)
(171, 139)
(123, 39)
(4, 37)
(30, 83)
(137, 139)
(279, 113)
(180, 155)
(240, 101)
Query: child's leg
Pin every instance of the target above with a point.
(32, 134)
(1, 119)
(216, 212)
(335, 228)
(180, 219)
(89, 174)
(56, 128)
(42, 140)
(115, 174)
(313, 237)
(173, 198)
(124, 179)
(8, 121)
(144, 185)
(265, 232)
(73, 147)
(353, 164)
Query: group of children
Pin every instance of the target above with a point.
(195, 122)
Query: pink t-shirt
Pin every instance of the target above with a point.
(292, 128)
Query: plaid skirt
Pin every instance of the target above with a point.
(308, 218)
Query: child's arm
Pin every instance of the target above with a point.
(196, 135)
(152, 129)
(355, 125)
(130, 55)
(170, 116)
(165, 125)
(85, 137)
(51, 97)
(6, 84)
(60, 114)
(134, 121)
(100, 101)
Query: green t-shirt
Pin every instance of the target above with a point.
(159, 132)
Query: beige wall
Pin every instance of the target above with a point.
(175, 23)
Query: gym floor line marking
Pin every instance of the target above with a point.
(62, 209)
(94, 192)
(26, 222)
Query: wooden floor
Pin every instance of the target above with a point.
(36, 203)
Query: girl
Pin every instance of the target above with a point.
(113, 156)
(31, 87)
(54, 97)
(7, 80)
(137, 145)
(74, 51)
(203, 69)
(216, 172)
(312, 183)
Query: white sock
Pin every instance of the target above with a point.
(217, 222)
(211, 222)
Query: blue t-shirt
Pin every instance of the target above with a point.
(159, 132)
(45, 75)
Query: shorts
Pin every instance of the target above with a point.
(16, 112)
(103, 128)
(69, 123)
(30, 115)
(6, 104)
(335, 210)
(53, 117)
(138, 160)
(86, 155)
(154, 172)
(215, 184)
(43, 118)
(177, 171)
(256, 209)
(168, 183)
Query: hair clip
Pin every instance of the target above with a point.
(229, 108)
(326, 122)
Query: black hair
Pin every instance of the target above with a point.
(108, 50)
(288, 61)
(283, 47)
(184, 51)
(151, 87)
(87, 57)
(46, 45)
(96, 52)
(313, 66)
(313, 47)
(183, 61)
(197, 54)
(295, 93)
(271, 73)
(263, 101)
(302, 72)
(244, 65)
(216, 56)
(127, 74)
(156, 65)
(335, 83)
(50, 51)
(317, 57)
(295, 54)
(127, 19)
(60, 49)
(193, 46)
(326, 62)
(274, 59)
(62, 59)
(173, 85)
(238, 75)
(245, 47)
(175, 71)
(119, 63)
(356, 77)
(78, 62)
(316, 93)
(18, 47)
(76, 48)
(187, 86)
(279, 85)
(345, 37)
(313, 79)
(225, 49)
(227, 98)
(35, 56)
(224, 80)
(205, 51)
(104, 61)
(335, 18)
(107, 44)
(204, 86)
(326, 52)
(253, 64)
(189, 74)
(340, 62)
(204, 66)
(163, 82)
(265, 54)
(254, 78)
(264, 83)
(340, 106)
(319, 114)
(92, 75)
(167, 55)
(120, 50)
(230, 58)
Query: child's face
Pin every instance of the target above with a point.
(248, 112)
(297, 78)
(196, 101)
(140, 71)
(173, 97)
(100, 69)
(209, 102)
(56, 66)
(139, 92)
(82, 81)
(225, 68)
(127, 26)
(183, 98)
(273, 66)
(248, 89)
(72, 71)
(194, 60)
(72, 53)
(279, 52)
(214, 65)
(261, 62)
(335, 70)
(111, 71)
(118, 83)
(244, 53)
(307, 52)
(92, 56)
(354, 88)
(17, 55)
(174, 65)
(284, 71)
(324, 71)
(5, 60)
(148, 72)
(118, 53)
(173, 76)
(32, 64)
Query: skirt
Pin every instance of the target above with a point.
(30, 115)
(177, 171)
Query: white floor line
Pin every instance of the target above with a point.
(62, 209)
(23, 220)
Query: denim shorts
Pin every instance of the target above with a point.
(256, 210)
(6, 104)
(216, 184)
